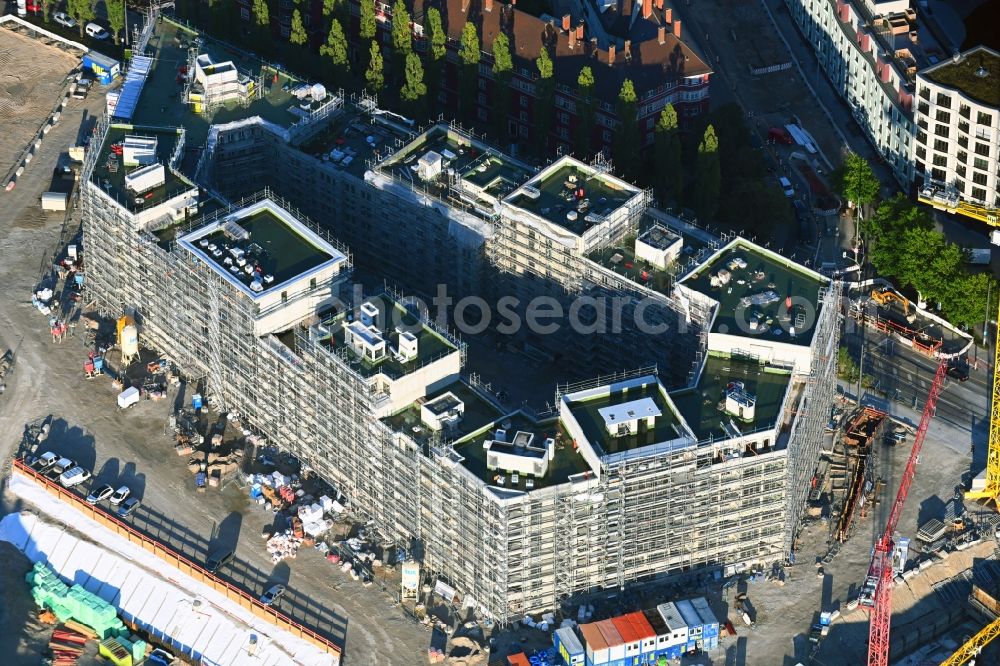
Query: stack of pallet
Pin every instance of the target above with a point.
(68, 643)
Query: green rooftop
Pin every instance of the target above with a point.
(276, 247)
(570, 193)
(566, 462)
(976, 74)
(109, 170)
(587, 412)
(754, 288)
(477, 413)
(703, 406)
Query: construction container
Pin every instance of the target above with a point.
(128, 397)
(568, 646)
(596, 647)
(709, 623)
(615, 643)
(146, 178)
(678, 639)
(105, 69)
(55, 200)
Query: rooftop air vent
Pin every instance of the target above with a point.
(982, 72)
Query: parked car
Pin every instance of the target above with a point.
(96, 31)
(128, 507)
(59, 467)
(272, 595)
(74, 477)
(81, 89)
(160, 657)
(218, 559)
(44, 461)
(786, 187)
(120, 495)
(100, 493)
(64, 19)
(958, 372)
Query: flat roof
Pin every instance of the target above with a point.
(477, 413)
(589, 411)
(269, 238)
(671, 616)
(569, 639)
(572, 195)
(109, 171)
(492, 173)
(755, 286)
(565, 463)
(659, 237)
(700, 405)
(353, 134)
(431, 345)
(625, 412)
(966, 75)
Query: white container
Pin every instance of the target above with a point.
(128, 397)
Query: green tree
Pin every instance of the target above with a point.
(435, 56)
(336, 50)
(861, 187)
(503, 69)
(47, 6)
(543, 106)
(298, 35)
(402, 36)
(585, 108)
(262, 23)
(626, 139)
(366, 28)
(414, 90)
(468, 55)
(82, 11)
(883, 233)
(116, 17)
(965, 303)
(708, 182)
(374, 76)
(928, 263)
(667, 151)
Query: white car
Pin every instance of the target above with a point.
(120, 495)
(786, 186)
(73, 477)
(100, 494)
(272, 595)
(96, 31)
(64, 19)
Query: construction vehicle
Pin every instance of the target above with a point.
(990, 490)
(889, 552)
(948, 200)
(967, 653)
(886, 296)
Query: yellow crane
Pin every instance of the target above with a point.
(968, 652)
(991, 491)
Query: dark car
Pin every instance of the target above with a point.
(128, 507)
(218, 559)
(958, 372)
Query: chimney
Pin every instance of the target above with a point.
(572, 39)
(627, 50)
(659, 4)
(579, 33)
(677, 28)
(647, 8)
(626, 8)
(488, 5)
(565, 24)
(661, 34)
(611, 54)
(668, 15)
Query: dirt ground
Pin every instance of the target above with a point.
(32, 77)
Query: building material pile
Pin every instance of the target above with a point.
(69, 603)
(313, 522)
(67, 645)
(283, 545)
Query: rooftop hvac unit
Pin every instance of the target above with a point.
(429, 166)
(531, 192)
(408, 346)
(369, 314)
(138, 150)
(146, 178)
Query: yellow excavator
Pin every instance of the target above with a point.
(885, 296)
(990, 494)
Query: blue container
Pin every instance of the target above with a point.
(196, 401)
(78, 279)
(98, 364)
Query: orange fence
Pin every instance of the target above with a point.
(175, 559)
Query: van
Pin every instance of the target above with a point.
(218, 559)
(96, 31)
(786, 187)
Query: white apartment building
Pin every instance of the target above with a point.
(957, 145)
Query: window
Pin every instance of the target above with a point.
(523, 101)
(979, 178)
(983, 149)
(979, 194)
(523, 116)
(944, 100)
(941, 130)
(922, 137)
(964, 110)
(922, 124)
(244, 13)
(938, 175)
(921, 152)
(284, 297)
(606, 136)
(962, 157)
(980, 163)
(963, 141)
(983, 133)
(943, 117)
(960, 170)
(984, 118)
(940, 146)
(481, 114)
(481, 98)
(523, 131)
(923, 108)
(312, 283)
(940, 160)
(482, 84)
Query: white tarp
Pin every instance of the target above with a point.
(169, 604)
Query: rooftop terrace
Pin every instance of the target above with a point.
(486, 173)
(703, 406)
(976, 74)
(109, 171)
(567, 461)
(477, 413)
(351, 140)
(262, 245)
(431, 345)
(572, 195)
(595, 415)
(754, 288)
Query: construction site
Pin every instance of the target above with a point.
(280, 263)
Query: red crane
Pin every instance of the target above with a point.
(877, 590)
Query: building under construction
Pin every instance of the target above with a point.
(692, 444)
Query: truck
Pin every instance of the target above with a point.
(128, 397)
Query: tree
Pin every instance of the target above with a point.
(366, 29)
(435, 56)
(414, 90)
(543, 107)
(374, 76)
(585, 106)
(468, 55)
(336, 50)
(116, 17)
(626, 139)
(402, 37)
(708, 182)
(262, 21)
(860, 184)
(298, 35)
(82, 11)
(330, 6)
(884, 231)
(503, 68)
(965, 304)
(47, 6)
(667, 151)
